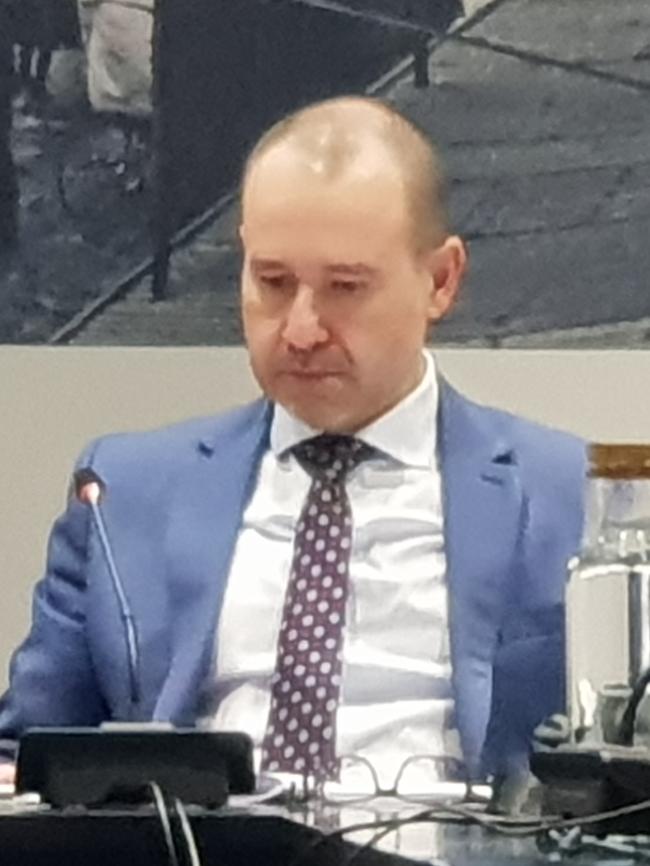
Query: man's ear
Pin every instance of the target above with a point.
(447, 268)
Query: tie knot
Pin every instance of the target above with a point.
(332, 455)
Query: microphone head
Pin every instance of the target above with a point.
(88, 486)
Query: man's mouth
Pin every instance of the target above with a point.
(312, 374)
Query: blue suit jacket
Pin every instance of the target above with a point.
(175, 497)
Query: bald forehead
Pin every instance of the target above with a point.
(349, 163)
(351, 139)
(290, 189)
(347, 135)
(342, 129)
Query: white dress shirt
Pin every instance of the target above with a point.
(396, 698)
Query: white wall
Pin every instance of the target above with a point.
(53, 400)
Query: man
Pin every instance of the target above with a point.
(364, 562)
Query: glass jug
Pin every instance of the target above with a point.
(608, 598)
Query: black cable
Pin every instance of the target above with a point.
(381, 824)
(165, 823)
(514, 827)
(626, 728)
(522, 827)
(188, 834)
(377, 837)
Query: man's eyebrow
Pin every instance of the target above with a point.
(266, 263)
(354, 269)
(357, 269)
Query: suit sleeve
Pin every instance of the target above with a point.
(51, 677)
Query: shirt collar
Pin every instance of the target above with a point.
(407, 432)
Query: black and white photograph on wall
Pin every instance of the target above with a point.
(124, 126)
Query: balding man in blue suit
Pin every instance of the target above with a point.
(462, 517)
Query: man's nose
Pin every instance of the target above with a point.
(303, 328)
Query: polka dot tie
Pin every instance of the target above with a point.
(301, 730)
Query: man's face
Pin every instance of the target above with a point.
(335, 301)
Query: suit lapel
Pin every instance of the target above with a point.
(206, 513)
(482, 502)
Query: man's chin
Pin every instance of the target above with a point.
(320, 415)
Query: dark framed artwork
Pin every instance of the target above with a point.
(122, 175)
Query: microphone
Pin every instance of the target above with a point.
(89, 489)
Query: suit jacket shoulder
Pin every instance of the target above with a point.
(551, 462)
(158, 455)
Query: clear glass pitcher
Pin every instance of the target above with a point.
(608, 597)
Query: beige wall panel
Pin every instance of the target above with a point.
(52, 401)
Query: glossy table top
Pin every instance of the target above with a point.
(266, 835)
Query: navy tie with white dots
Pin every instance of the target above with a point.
(301, 729)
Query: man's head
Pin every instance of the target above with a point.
(347, 260)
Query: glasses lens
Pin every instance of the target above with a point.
(355, 782)
(427, 778)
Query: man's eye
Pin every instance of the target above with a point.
(346, 285)
(275, 281)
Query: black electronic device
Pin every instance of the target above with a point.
(117, 763)
(589, 779)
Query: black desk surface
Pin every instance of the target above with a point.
(257, 837)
